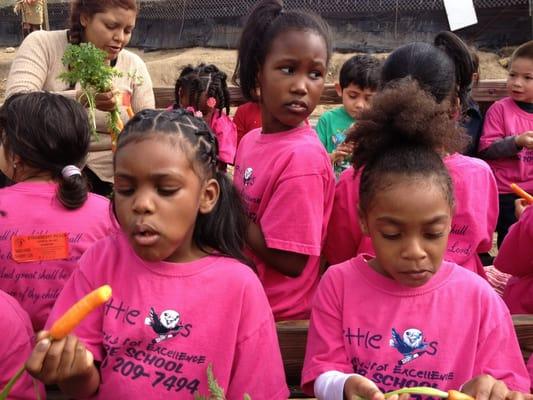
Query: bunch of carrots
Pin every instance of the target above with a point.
(87, 65)
(64, 325)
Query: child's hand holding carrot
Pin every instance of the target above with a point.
(359, 387)
(65, 362)
(485, 387)
(519, 207)
(525, 140)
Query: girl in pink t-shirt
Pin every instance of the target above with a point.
(182, 298)
(282, 170)
(406, 317)
(47, 217)
(515, 257)
(507, 139)
(204, 90)
(476, 195)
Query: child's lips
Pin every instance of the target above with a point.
(144, 235)
(297, 107)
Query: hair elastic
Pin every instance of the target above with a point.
(69, 171)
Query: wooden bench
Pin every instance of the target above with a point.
(292, 336)
(485, 93)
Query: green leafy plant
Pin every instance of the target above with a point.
(87, 65)
(215, 391)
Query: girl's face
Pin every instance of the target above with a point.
(520, 80)
(409, 223)
(110, 30)
(291, 79)
(158, 196)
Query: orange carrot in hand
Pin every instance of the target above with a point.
(75, 314)
(522, 193)
(130, 112)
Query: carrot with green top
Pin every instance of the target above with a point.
(521, 193)
(427, 391)
(66, 324)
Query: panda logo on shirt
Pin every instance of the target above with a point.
(248, 177)
(166, 325)
(411, 344)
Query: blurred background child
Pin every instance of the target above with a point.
(507, 139)
(358, 81)
(44, 143)
(204, 90)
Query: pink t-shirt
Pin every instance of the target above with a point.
(226, 133)
(503, 119)
(473, 224)
(32, 208)
(167, 322)
(398, 336)
(287, 184)
(515, 257)
(15, 348)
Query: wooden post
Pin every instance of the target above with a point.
(46, 22)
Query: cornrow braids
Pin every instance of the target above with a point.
(224, 228)
(208, 79)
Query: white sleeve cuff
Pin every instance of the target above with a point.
(330, 385)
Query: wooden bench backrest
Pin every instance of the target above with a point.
(485, 93)
(292, 336)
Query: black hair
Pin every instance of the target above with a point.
(461, 55)
(403, 138)
(428, 65)
(204, 78)
(224, 228)
(48, 132)
(525, 50)
(264, 24)
(361, 70)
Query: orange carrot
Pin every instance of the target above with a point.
(522, 193)
(130, 112)
(456, 395)
(75, 314)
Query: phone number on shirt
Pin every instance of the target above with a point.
(170, 382)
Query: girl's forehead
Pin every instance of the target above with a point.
(298, 42)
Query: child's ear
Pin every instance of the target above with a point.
(363, 223)
(84, 20)
(209, 196)
(338, 89)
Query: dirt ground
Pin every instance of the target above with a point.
(165, 65)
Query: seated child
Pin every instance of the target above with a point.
(204, 90)
(18, 339)
(182, 298)
(406, 317)
(358, 81)
(507, 139)
(44, 143)
(515, 257)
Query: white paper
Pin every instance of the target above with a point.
(460, 13)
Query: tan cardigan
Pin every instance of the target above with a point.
(37, 66)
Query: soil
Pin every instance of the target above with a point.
(164, 65)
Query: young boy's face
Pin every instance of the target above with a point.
(355, 99)
(520, 80)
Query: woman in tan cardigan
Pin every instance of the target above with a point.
(108, 24)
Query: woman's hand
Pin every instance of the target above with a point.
(60, 361)
(105, 101)
(342, 151)
(485, 387)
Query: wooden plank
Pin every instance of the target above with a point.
(486, 91)
(523, 325)
(292, 336)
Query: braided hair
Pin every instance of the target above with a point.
(224, 228)
(204, 78)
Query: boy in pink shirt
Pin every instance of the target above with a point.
(507, 139)
(475, 191)
(45, 141)
(282, 171)
(396, 320)
(515, 257)
(15, 347)
(182, 298)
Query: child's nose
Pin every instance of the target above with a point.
(299, 85)
(143, 204)
(414, 250)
